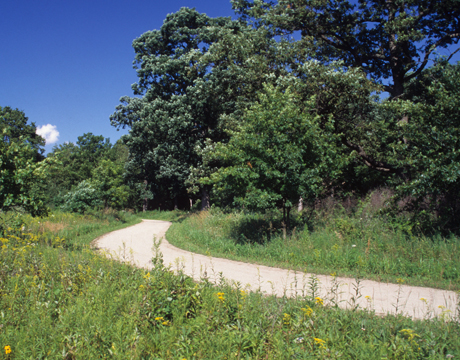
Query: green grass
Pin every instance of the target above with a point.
(59, 299)
(346, 245)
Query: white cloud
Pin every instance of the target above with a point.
(49, 133)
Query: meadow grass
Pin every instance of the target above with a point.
(353, 246)
(59, 299)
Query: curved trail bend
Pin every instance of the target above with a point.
(135, 244)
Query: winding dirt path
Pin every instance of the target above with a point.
(135, 244)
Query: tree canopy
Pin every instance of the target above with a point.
(392, 41)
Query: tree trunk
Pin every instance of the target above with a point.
(205, 199)
(288, 220)
(191, 203)
(145, 204)
(300, 204)
(284, 219)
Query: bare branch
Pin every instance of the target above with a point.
(450, 57)
(428, 53)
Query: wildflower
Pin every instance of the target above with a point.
(424, 300)
(319, 301)
(299, 340)
(409, 333)
(368, 298)
(141, 287)
(334, 274)
(7, 349)
(400, 281)
(286, 319)
(243, 293)
(166, 323)
(220, 296)
(159, 318)
(320, 342)
(147, 276)
(307, 311)
(353, 246)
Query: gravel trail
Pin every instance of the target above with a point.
(135, 244)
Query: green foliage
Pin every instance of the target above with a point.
(277, 155)
(388, 40)
(82, 198)
(166, 123)
(58, 302)
(194, 83)
(17, 129)
(94, 161)
(108, 180)
(21, 175)
(431, 139)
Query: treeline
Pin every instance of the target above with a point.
(73, 177)
(291, 102)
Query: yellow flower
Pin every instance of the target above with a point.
(319, 301)
(159, 318)
(368, 298)
(400, 281)
(147, 276)
(221, 296)
(7, 349)
(287, 319)
(307, 311)
(409, 333)
(166, 323)
(320, 342)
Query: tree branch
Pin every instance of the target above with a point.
(428, 53)
(370, 161)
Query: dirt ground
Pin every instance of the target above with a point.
(135, 244)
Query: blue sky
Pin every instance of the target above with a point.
(67, 63)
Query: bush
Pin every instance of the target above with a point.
(82, 198)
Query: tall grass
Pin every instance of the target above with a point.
(346, 244)
(59, 299)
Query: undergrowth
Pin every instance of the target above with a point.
(59, 299)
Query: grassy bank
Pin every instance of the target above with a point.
(61, 300)
(355, 246)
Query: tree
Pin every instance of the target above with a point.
(17, 127)
(75, 163)
(21, 174)
(390, 39)
(277, 154)
(177, 111)
(433, 140)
